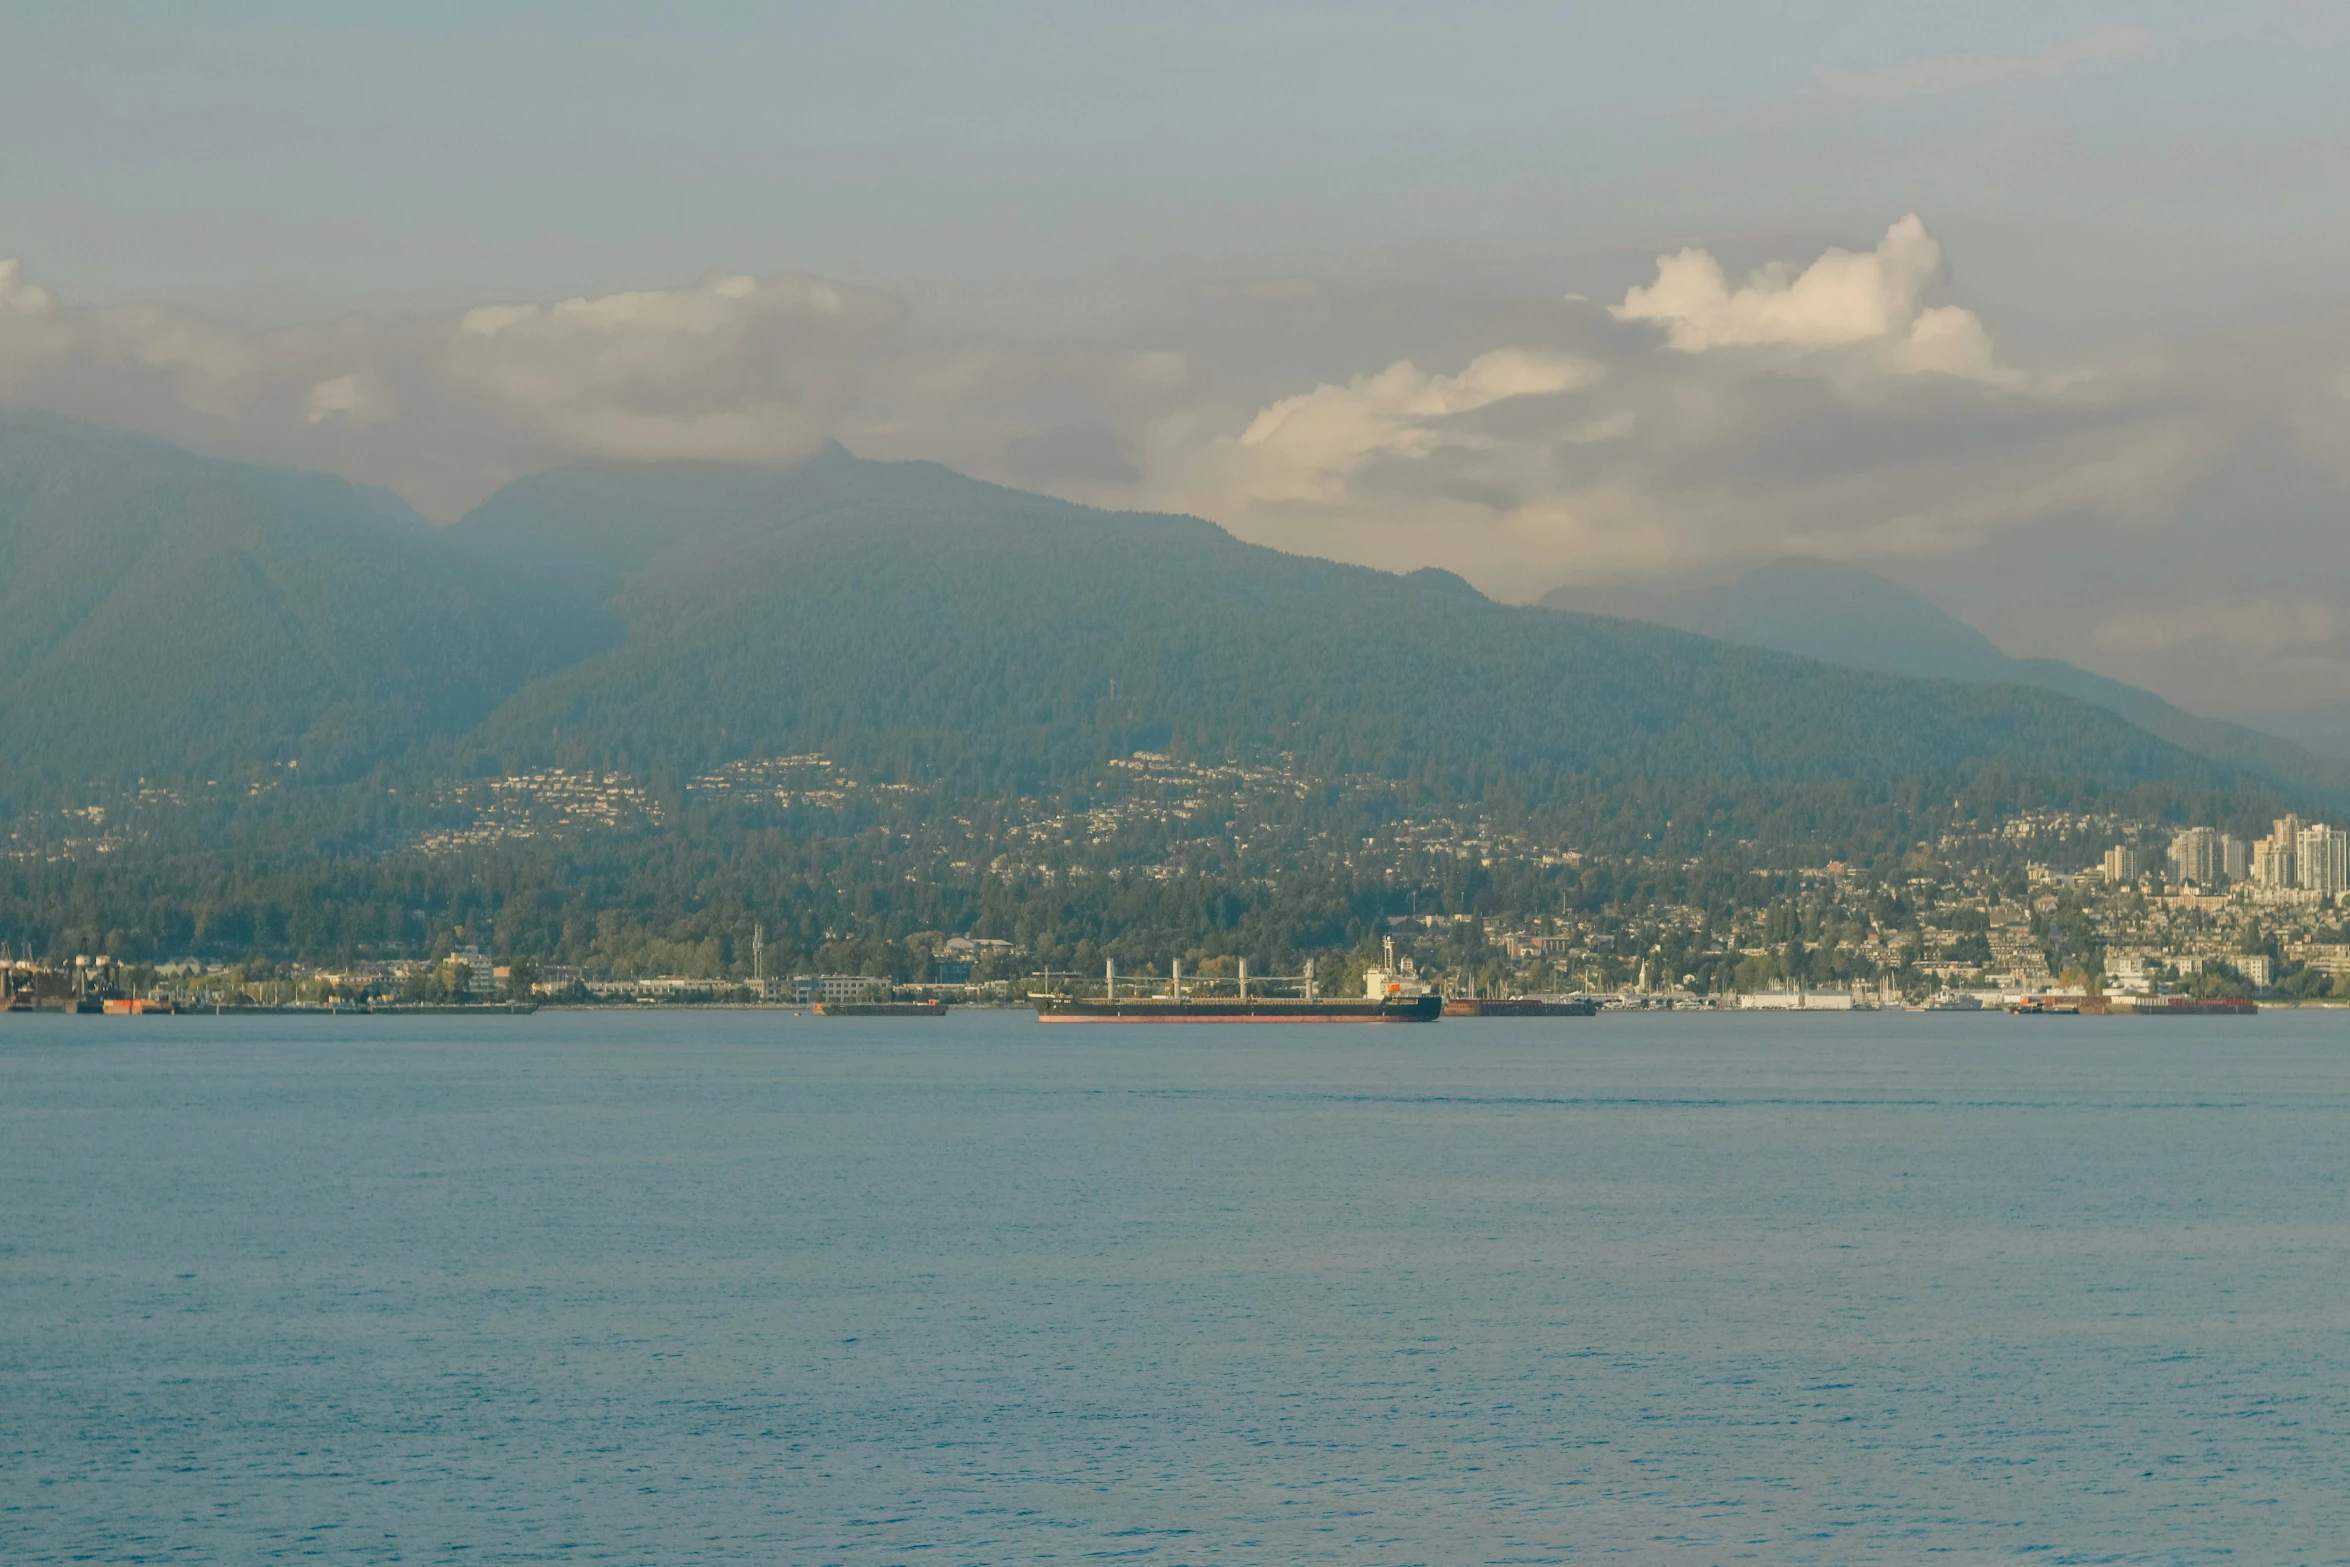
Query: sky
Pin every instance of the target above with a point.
(2036, 309)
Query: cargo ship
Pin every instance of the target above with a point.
(1519, 1006)
(1392, 994)
(2169, 1006)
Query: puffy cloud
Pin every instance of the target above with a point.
(1842, 299)
(1828, 407)
(1836, 405)
(1951, 341)
(1833, 407)
(445, 408)
(359, 399)
(20, 297)
(737, 368)
(33, 333)
(1307, 447)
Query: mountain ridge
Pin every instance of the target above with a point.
(919, 624)
(1840, 614)
(181, 616)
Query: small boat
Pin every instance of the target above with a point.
(931, 1008)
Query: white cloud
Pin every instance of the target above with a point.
(1821, 408)
(1956, 73)
(1950, 341)
(1308, 445)
(20, 297)
(1842, 299)
(446, 408)
(735, 367)
(1838, 405)
(358, 399)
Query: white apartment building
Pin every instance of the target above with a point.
(2321, 859)
(2272, 863)
(2273, 857)
(2195, 857)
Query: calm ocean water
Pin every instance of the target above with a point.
(742, 1287)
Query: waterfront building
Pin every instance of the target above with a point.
(479, 972)
(2129, 973)
(834, 989)
(1797, 1001)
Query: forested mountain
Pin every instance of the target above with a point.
(931, 692)
(167, 616)
(916, 624)
(1840, 614)
(173, 617)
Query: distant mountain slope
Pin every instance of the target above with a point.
(1839, 614)
(2322, 727)
(912, 621)
(166, 615)
(172, 617)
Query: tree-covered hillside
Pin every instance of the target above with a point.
(1838, 614)
(168, 616)
(620, 708)
(915, 624)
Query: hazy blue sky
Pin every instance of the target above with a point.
(988, 159)
(1115, 250)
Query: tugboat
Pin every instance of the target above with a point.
(1391, 994)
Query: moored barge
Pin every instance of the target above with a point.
(2169, 1006)
(1518, 1006)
